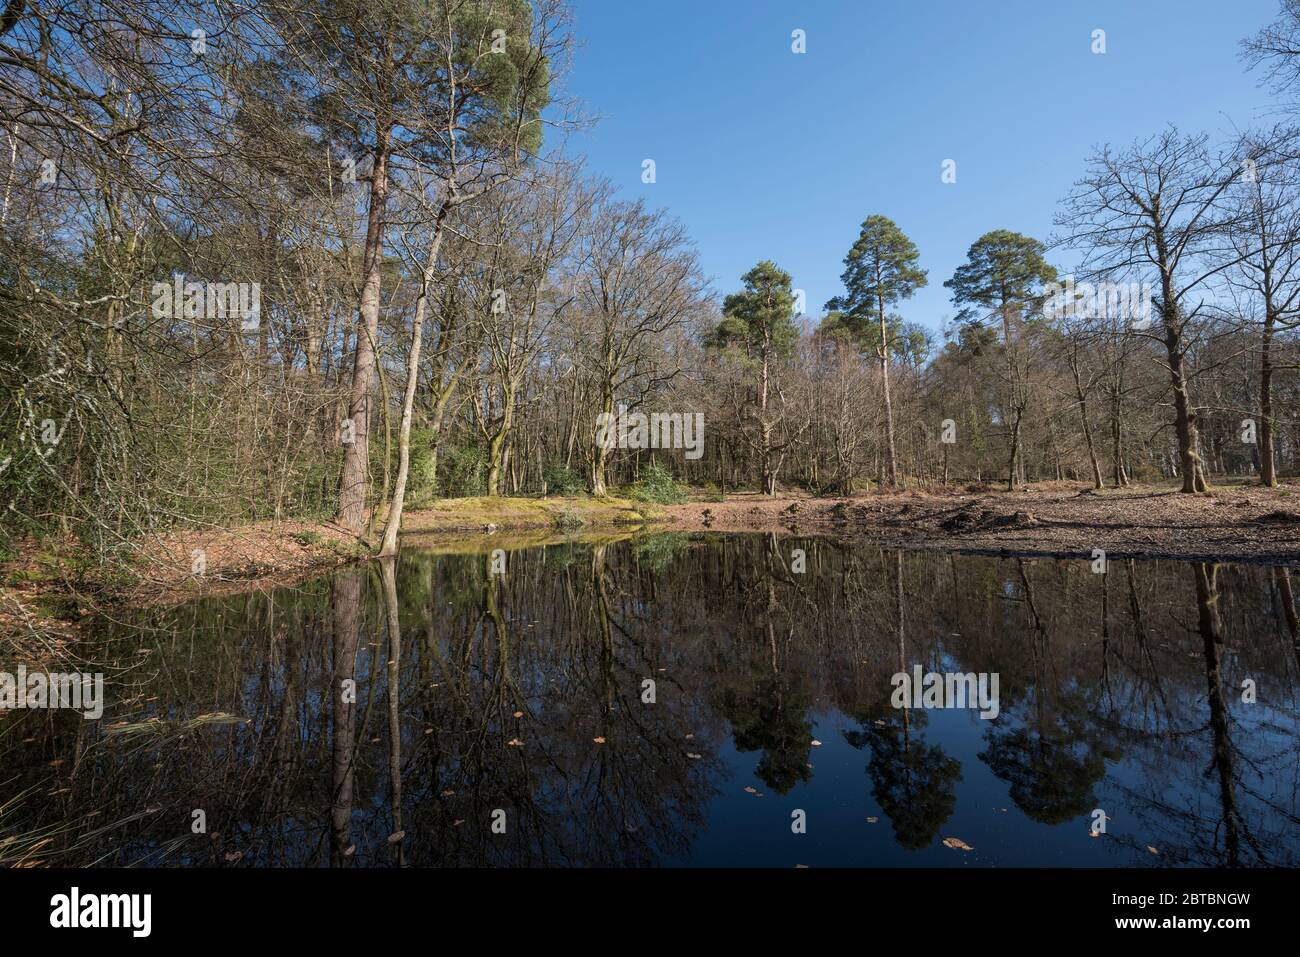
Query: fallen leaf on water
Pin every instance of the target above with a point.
(957, 843)
(514, 743)
(873, 820)
(693, 756)
(448, 793)
(880, 723)
(1152, 849)
(751, 790)
(1000, 810)
(599, 740)
(396, 836)
(352, 849)
(1092, 833)
(816, 743)
(458, 822)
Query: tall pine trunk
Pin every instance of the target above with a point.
(356, 454)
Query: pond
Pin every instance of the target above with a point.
(673, 699)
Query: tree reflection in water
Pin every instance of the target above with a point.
(526, 693)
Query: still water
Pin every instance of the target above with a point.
(682, 700)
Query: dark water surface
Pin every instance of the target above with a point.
(1120, 693)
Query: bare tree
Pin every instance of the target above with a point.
(1158, 211)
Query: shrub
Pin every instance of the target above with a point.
(562, 480)
(568, 520)
(420, 487)
(658, 486)
(466, 472)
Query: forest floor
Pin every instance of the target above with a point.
(1234, 523)
(43, 599)
(45, 593)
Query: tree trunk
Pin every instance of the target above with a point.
(765, 427)
(1013, 394)
(600, 456)
(1015, 450)
(1267, 456)
(1184, 417)
(1097, 480)
(356, 455)
(497, 446)
(891, 460)
(389, 546)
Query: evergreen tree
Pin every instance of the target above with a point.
(879, 271)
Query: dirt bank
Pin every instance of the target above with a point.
(1234, 524)
(42, 600)
(44, 593)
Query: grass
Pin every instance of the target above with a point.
(476, 513)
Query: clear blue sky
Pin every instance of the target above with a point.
(766, 154)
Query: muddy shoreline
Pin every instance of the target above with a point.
(1234, 525)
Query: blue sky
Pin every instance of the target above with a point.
(768, 154)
